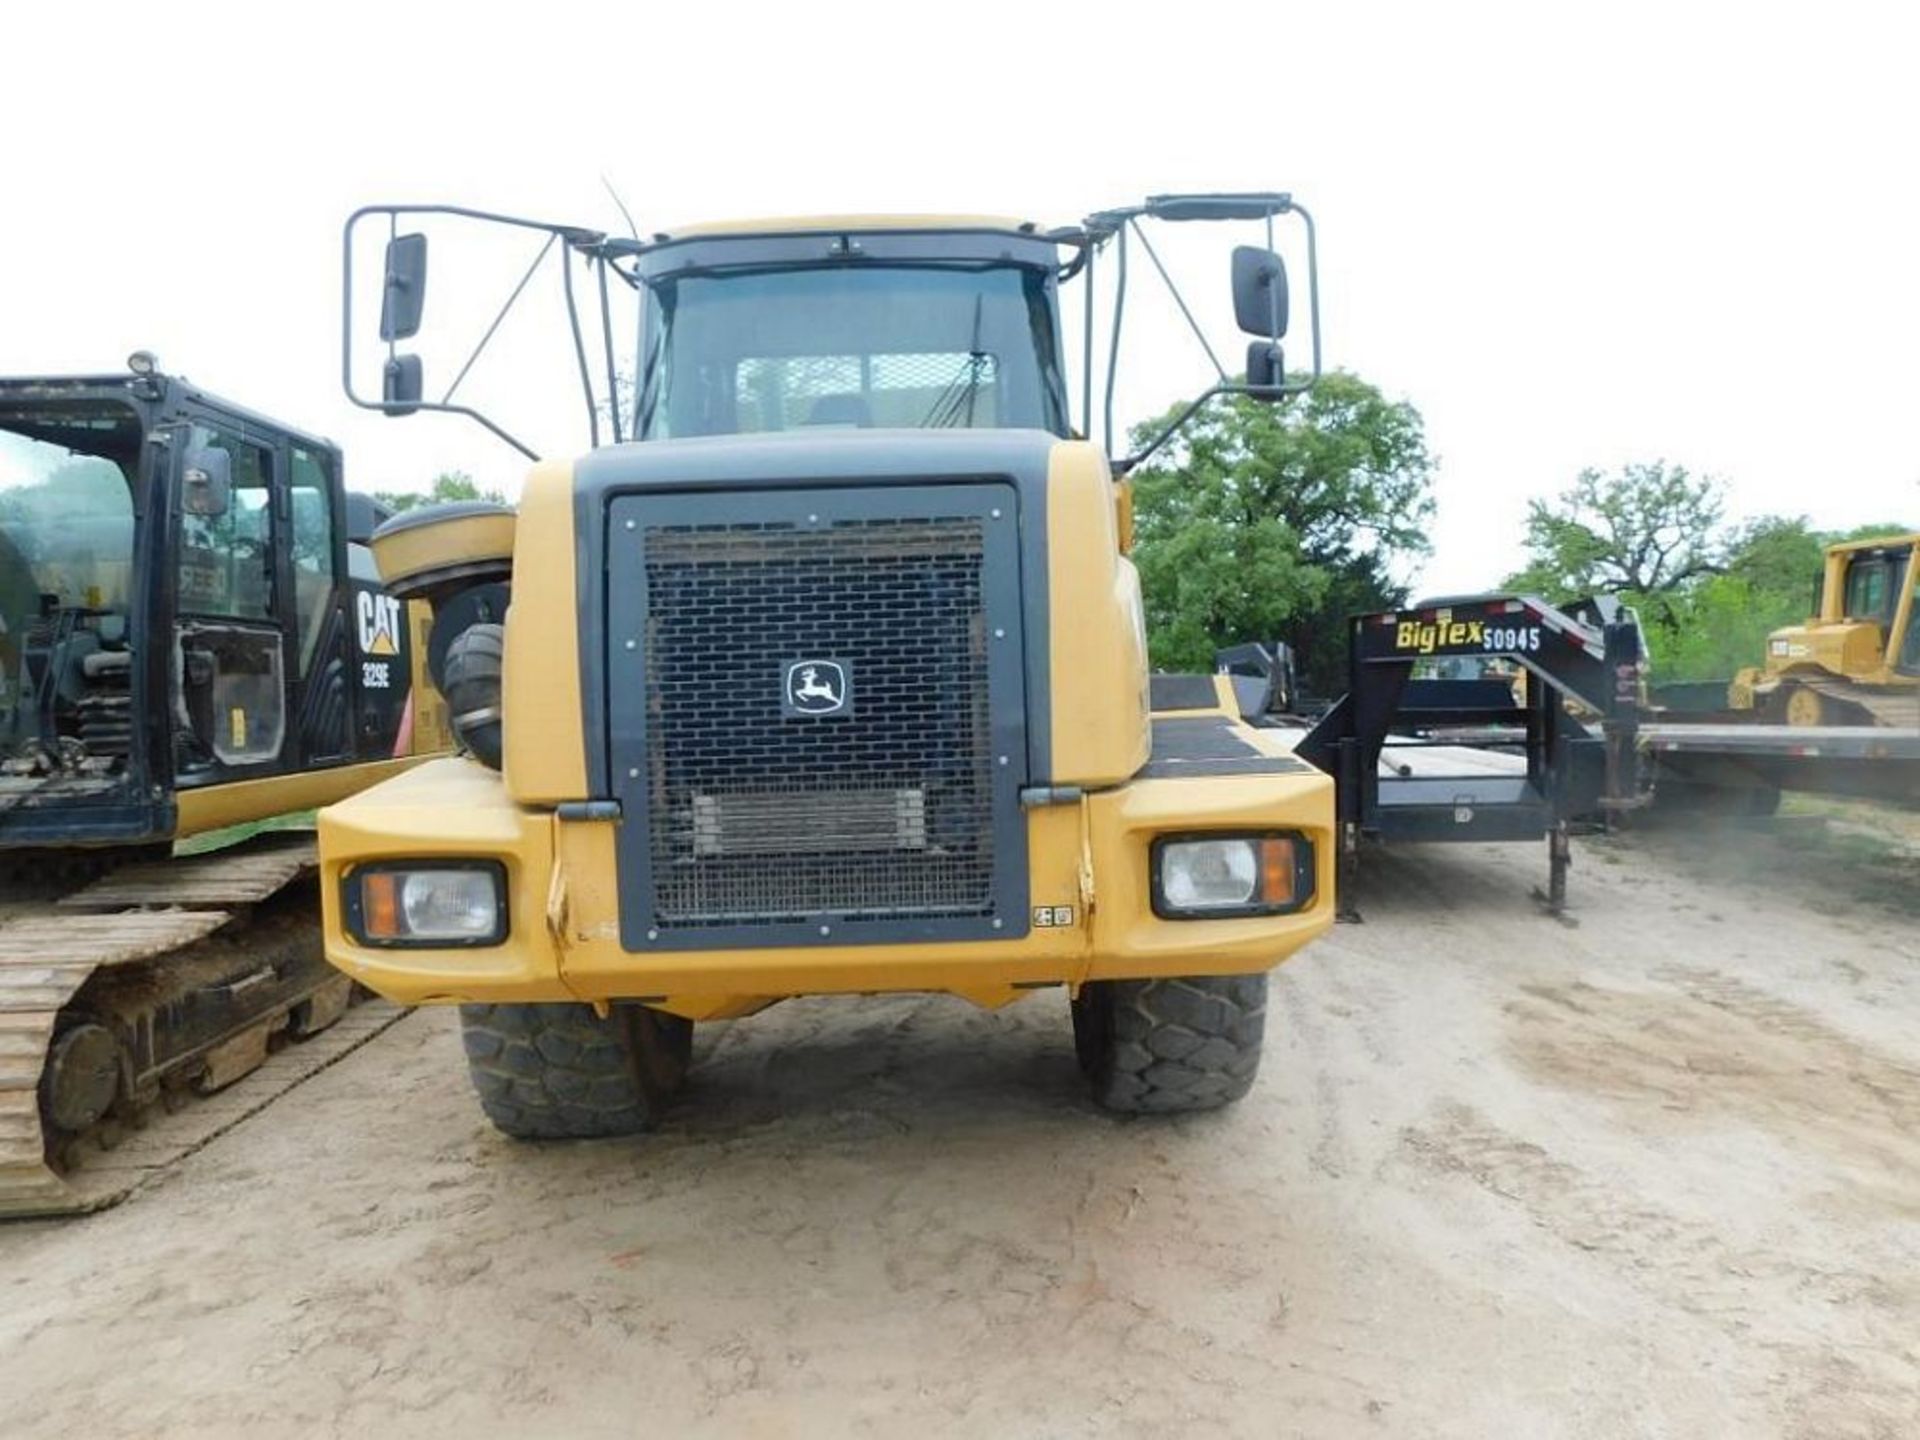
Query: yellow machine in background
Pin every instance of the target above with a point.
(833, 679)
(1858, 661)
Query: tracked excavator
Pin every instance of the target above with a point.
(193, 639)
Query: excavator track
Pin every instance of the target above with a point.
(154, 980)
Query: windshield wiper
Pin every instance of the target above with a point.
(955, 405)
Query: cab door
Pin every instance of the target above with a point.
(323, 682)
(1905, 644)
(232, 647)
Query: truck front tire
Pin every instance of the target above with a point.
(1165, 1046)
(561, 1072)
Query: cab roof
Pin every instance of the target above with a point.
(1907, 541)
(834, 224)
(811, 240)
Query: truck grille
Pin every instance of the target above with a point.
(817, 742)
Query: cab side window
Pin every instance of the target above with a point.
(226, 561)
(312, 547)
(1867, 590)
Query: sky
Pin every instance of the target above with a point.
(1571, 235)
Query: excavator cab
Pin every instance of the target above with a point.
(182, 628)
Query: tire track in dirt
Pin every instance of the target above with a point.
(1832, 1386)
(1674, 1048)
(1714, 1049)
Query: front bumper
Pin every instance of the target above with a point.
(1088, 869)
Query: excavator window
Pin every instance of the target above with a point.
(226, 560)
(65, 502)
(312, 543)
(229, 669)
(66, 549)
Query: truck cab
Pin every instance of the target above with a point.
(831, 679)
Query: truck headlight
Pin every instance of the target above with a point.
(429, 903)
(1197, 877)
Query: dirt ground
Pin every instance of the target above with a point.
(1656, 1174)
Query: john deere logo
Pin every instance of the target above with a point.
(817, 687)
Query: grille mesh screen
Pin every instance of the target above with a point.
(757, 816)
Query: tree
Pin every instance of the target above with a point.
(1649, 530)
(1778, 556)
(1265, 522)
(447, 485)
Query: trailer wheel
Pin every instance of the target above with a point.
(560, 1072)
(1164, 1046)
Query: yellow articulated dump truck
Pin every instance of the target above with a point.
(1857, 661)
(826, 675)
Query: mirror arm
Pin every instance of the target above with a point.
(1113, 346)
(1213, 392)
(1086, 353)
(1127, 463)
(606, 344)
(1313, 291)
(580, 352)
(411, 407)
(487, 338)
(1180, 300)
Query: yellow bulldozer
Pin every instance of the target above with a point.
(193, 638)
(1857, 660)
(827, 675)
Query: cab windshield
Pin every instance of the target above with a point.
(66, 524)
(870, 346)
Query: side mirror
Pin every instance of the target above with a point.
(206, 484)
(1266, 370)
(400, 385)
(406, 289)
(1259, 292)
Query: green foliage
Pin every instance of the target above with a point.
(1717, 627)
(1712, 626)
(447, 485)
(1708, 596)
(1872, 532)
(1779, 556)
(1648, 530)
(1264, 522)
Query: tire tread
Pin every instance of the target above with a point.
(561, 1072)
(1169, 1045)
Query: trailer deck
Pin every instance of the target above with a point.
(1822, 760)
(1433, 743)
